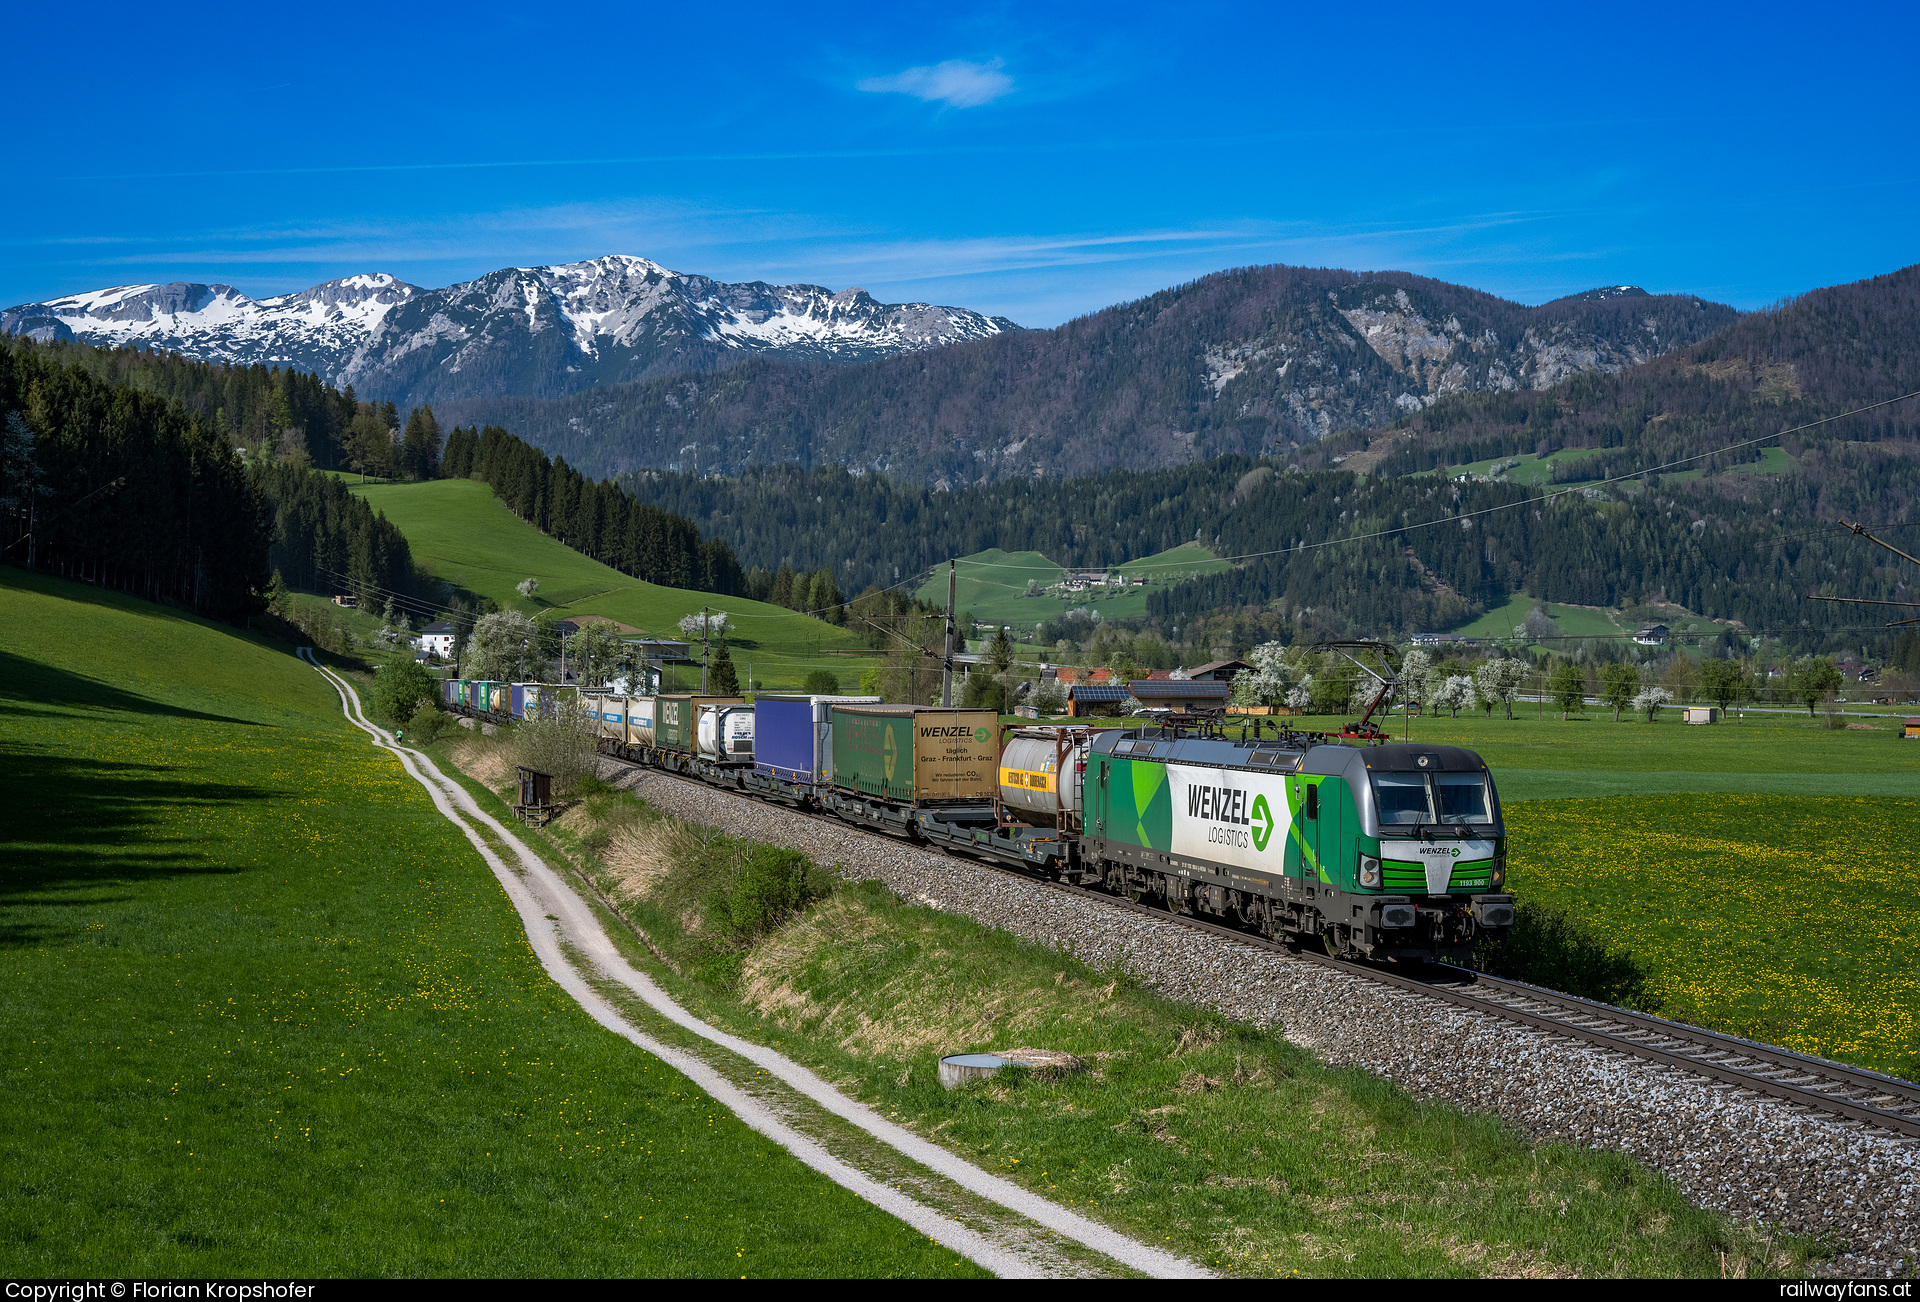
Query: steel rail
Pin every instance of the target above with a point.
(1552, 1011)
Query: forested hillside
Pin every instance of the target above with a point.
(594, 517)
(125, 489)
(1237, 362)
(1435, 564)
(217, 486)
(1826, 352)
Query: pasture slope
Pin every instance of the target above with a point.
(269, 1013)
(992, 585)
(459, 531)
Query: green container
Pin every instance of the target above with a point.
(677, 720)
(917, 754)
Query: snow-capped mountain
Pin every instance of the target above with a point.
(529, 331)
(315, 330)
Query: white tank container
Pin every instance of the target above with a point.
(725, 732)
(611, 711)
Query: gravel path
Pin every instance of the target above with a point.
(558, 919)
(1750, 1156)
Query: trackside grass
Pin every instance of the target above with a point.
(268, 1013)
(1220, 1141)
(459, 531)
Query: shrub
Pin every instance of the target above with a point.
(428, 722)
(822, 682)
(563, 746)
(769, 888)
(400, 688)
(1548, 947)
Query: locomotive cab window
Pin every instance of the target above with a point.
(1462, 798)
(1447, 799)
(1402, 798)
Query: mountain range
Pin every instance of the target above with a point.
(621, 365)
(1239, 362)
(538, 332)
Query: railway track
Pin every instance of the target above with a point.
(1848, 1094)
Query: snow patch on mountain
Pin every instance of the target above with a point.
(537, 331)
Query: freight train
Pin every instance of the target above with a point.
(1368, 849)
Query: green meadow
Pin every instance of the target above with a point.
(992, 585)
(459, 531)
(268, 1013)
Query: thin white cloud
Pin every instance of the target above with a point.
(956, 83)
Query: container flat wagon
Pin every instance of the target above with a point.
(896, 767)
(793, 745)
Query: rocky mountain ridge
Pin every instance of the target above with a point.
(1242, 361)
(538, 332)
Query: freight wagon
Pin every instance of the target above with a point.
(793, 744)
(895, 766)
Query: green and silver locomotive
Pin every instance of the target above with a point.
(1382, 851)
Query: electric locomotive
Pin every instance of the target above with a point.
(1379, 851)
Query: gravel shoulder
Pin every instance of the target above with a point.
(1749, 1156)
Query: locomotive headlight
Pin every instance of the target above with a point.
(1500, 869)
(1369, 870)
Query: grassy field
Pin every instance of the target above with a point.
(1788, 921)
(460, 532)
(268, 1013)
(1773, 461)
(1222, 1141)
(1526, 468)
(992, 585)
(1574, 621)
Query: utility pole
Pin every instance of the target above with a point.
(946, 666)
(705, 628)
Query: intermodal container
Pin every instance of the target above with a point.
(794, 736)
(677, 717)
(517, 698)
(916, 754)
(640, 720)
(611, 717)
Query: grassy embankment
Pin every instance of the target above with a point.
(459, 531)
(1222, 1141)
(992, 585)
(269, 1013)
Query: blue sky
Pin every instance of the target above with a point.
(1039, 162)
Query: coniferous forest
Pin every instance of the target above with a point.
(126, 489)
(193, 484)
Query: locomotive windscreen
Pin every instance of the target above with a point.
(1452, 799)
(1402, 798)
(1462, 798)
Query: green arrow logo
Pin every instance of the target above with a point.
(1262, 823)
(981, 734)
